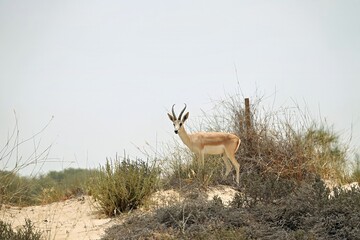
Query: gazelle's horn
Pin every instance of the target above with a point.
(173, 112)
(182, 112)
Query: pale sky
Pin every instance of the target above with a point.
(108, 71)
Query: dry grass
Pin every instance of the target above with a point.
(283, 156)
(282, 144)
(307, 212)
(286, 142)
(26, 232)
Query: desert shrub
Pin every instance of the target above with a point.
(26, 232)
(123, 185)
(286, 142)
(326, 155)
(16, 190)
(341, 214)
(198, 219)
(61, 185)
(71, 179)
(308, 212)
(267, 187)
(192, 219)
(355, 173)
(190, 172)
(51, 187)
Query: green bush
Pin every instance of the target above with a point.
(16, 190)
(355, 173)
(123, 185)
(26, 232)
(52, 187)
(62, 185)
(326, 155)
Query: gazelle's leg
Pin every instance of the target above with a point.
(201, 165)
(227, 165)
(235, 164)
(202, 158)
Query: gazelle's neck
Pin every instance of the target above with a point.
(185, 137)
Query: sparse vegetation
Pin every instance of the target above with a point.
(123, 185)
(284, 157)
(305, 213)
(52, 187)
(26, 232)
(62, 185)
(355, 174)
(287, 144)
(15, 189)
(191, 172)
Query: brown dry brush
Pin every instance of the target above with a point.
(288, 142)
(15, 189)
(306, 213)
(285, 143)
(277, 153)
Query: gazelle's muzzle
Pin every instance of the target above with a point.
(176, 131)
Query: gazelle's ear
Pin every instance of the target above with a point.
(185, 117)
(171, 117)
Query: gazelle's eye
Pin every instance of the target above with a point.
(174, 124)
(180, 124)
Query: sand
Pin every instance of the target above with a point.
(79, 218)
(76, 218)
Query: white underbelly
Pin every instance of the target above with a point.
(214, 149)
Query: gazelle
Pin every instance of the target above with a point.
(213, 143)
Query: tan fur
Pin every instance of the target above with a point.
(210, 143)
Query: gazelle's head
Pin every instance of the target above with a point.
(178, 122)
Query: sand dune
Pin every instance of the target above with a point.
(78, 218)
(75, 218)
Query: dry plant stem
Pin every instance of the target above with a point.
(287, 141)
(12, 147)
(12, 161)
